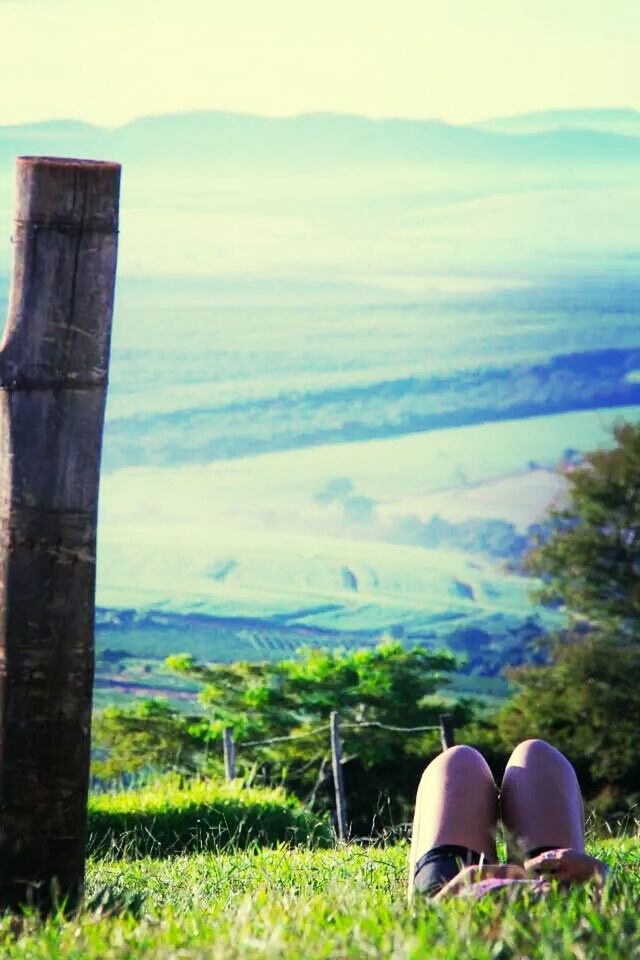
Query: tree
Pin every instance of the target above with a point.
(589, 559)
(148, 737)
(587, 703)
(386, 684)
(586, 698)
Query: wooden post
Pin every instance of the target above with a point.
(229, 747)
(447, 737)
(338, 781)
(53, 380)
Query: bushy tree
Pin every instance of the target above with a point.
(586, 699)
(373, 688)
(590, 559)
(149, 737)
(387, 684)
(587, 703)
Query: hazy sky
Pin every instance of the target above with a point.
(459, 60)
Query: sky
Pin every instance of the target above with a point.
(456, 60)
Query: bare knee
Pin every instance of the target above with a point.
(536, 752)
(463, 755)
(457, 802)
(540, 797)
(460, 760)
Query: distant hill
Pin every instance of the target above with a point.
(325, 137)
(328, 199)
(621, 121)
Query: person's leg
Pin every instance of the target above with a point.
(456, 806)
(540, 799)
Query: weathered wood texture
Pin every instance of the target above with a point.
(229, 750)
(53, 379)
(447, 735)
(338, 779)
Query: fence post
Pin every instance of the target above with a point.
(53, 379)
(338, 781)
(447, 737)
(229, 748)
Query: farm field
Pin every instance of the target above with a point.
(337, 405)
(344, 903)
(252, 558)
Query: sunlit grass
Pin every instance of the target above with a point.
(174, 816)
(341, 903)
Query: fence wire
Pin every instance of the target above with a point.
(343, 726)
(293, 736)
(334, 728)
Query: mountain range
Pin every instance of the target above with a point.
(332, 199)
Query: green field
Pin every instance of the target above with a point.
(344, 903)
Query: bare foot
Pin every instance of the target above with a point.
(567, 866)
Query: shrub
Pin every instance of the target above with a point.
(172, 816)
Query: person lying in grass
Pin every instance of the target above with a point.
(453, 846)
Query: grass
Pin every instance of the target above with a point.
(344, 903)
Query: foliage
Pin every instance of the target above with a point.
(348, 903)
(373, 688)
(591, 560)
(386, 685)
(586, 698)
(587, 703)
(148, 736)
(171, 816)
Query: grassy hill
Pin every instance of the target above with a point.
(314, 904)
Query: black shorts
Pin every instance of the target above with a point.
(440, 864)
